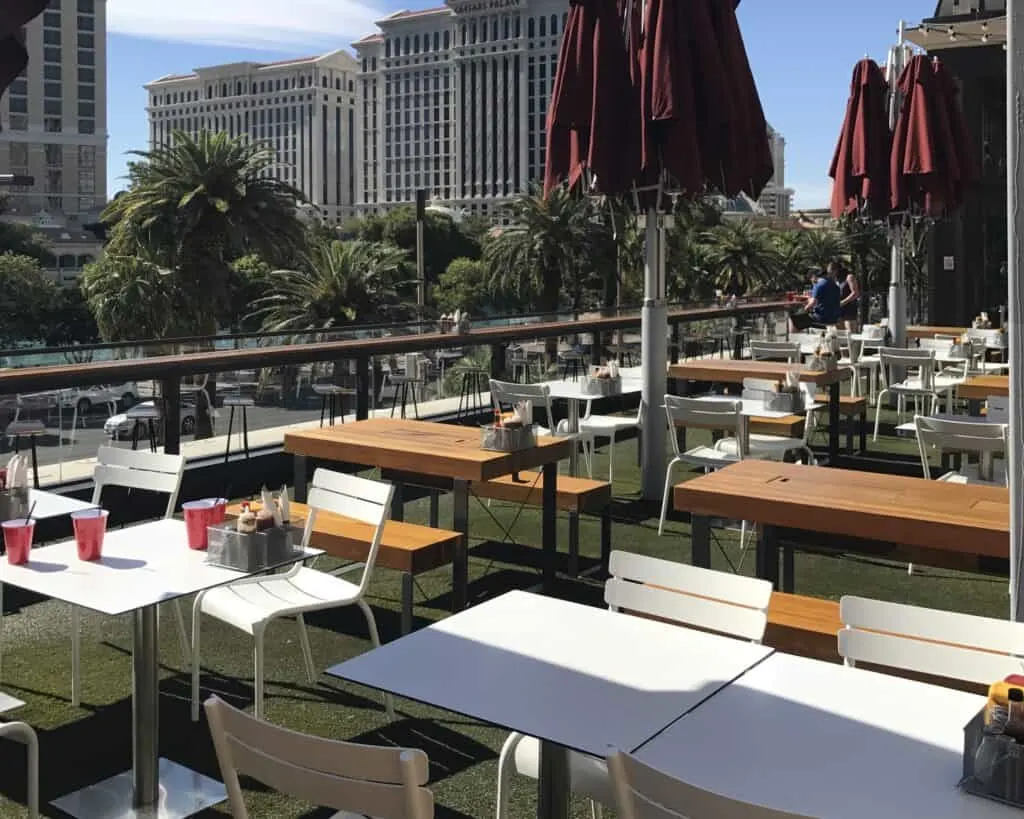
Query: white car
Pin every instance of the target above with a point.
(123, 423)
(85, 398)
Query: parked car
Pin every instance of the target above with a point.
(123, 423)
(85, 398)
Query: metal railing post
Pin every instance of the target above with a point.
(363, 386)
(498, 361)
(170, 390)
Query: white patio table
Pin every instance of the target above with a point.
(576, 677)
(142, 566)
(818, 739)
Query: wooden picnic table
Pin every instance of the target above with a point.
(978, 388)
(932, 330)
(733, 371)
(915, 520)
(443, 452)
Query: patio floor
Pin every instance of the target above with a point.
(80, 746)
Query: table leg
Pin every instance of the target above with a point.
(299, 467)
(460, 561)
(700, 541)
(155, 788)
(833, 424)
(549, 525)
(553, 782)
(574, 428)
(768, 555)
(398, 502)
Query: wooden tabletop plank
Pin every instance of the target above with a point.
(980, 387)
(420, 447)
(887, 508)
(733, 371)
(932, 330)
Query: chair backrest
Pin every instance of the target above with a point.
(643, 792)
(354, 497)
(948, 435)
(761, 350)
(928, 641)
(899, 358)
(940, 345)
(508, 393)
(726, 603)
(725, 415)
(873, 332)
(137, 469)
(373, 780)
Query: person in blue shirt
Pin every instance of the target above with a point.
(823, 305)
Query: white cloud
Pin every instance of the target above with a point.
(276, 25)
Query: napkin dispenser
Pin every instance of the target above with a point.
(251, 551)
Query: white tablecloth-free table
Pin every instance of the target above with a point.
(52, 505)
(818, 739)
(141, 567)
(574, 676)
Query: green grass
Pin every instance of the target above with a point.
(82, 745)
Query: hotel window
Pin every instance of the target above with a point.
(86, 6)
(87, 57)
(86, 23)
(51, 19)
(51, 55)
(51, 36)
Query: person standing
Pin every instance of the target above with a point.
(823, 305)
(849, 298)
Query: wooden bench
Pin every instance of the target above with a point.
(804, 625)
(408, 548)
(855, 411)
(787, 426)
(573, 495)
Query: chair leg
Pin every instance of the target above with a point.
(611, 459)
(245, 431)
(506, 767)
(664, 498)
(196, 614)
(323, 409)
(371, 622)
(878, 410)
(307, 652)
(179, 619)
(257, 677)
(76, 683)
(231, 423)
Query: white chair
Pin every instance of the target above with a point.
(22, 732)
(643, 792)
(945, 435)
(723, 416)
(761, 350)
(944, 644)
(131, 469)
(919, 382)
(252, 603)
(507, 394)
(724, 603)
(357, 780)
(775, 447)
(609, 426)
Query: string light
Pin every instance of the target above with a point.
(960, 36)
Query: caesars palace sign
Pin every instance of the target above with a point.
(474, 6)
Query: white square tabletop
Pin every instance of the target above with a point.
(819, 739)
(578, 676)
(52, 505)
(573, 390)
(141, 566)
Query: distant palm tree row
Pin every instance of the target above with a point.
(204, 238)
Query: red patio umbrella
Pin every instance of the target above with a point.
(13, 58)
(860, 165)
(931, 164)
(593, 110)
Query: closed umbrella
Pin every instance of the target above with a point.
(860, 165)
(13, 58)
(593, 104)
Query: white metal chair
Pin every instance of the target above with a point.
(22, 732)
(506, 394)
(643, 792)
(775, 447)
(357, 780)
(944, 644)
(762, 350)
(132, 469)
(944, 435)
(724, 416)
(724, 603)
(919, 382)
(609, 426)
(252, 603)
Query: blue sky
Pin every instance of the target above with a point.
(802, 53)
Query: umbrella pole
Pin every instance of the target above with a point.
(653, 334)
(897, 280)
(1015, 305)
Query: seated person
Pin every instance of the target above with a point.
(823, 305)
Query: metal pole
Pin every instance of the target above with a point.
(897, 279)
(653, 334)
(145, 710)
(1015, 304)
(421, 280)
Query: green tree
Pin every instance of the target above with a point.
(68, 320)
(249, 280)
(195, 206)
(820, 248)
(21, 240)
(465, 286)
(25, 292)
(339, 283)
(741, 258)
(131, 298)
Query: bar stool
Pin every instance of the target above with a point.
(145, 416)
(31, 430)
(571, 360)
(243, 403)
(405, 386)
(332, 401)
(471, 396)
(521, 365)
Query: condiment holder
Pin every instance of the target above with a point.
(257, 539)
(602, 381)
(510, 434)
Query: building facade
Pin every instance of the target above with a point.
(53, 120)
(454, 100)
(776, 200)
(304, 109)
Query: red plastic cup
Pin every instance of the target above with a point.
(18, 539)
(198, 516)
(90, 526)
(220, 510)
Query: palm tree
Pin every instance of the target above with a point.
(822, 247)
(741, 258)
(547, 249)
(339, 283)
(195, 206)
(130, 298)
